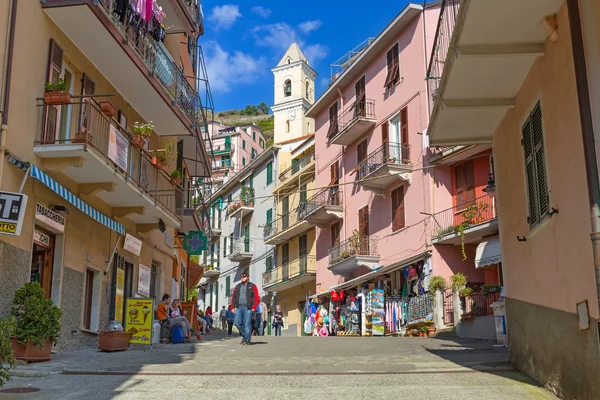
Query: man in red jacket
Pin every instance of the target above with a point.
(244, 300)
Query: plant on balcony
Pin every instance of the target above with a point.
(459, 281)
(176, 177)
(436, 282)
(234, 206)
(487, 289)
(247, 196)
(465, 292)
(141, 133)
(56, 93)
(164, 156)
(107, 108)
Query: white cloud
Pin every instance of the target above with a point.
(261, 11)
(224, 16)
(315, 53)
(225, 69)
(309, 26)
(278, 36)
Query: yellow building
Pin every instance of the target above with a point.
(292, 277)
(102, 212)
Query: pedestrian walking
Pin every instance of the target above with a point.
(278, 320)
(263, 320)
(245, 300)
(230, 320)
(257, 323)
(223, 315)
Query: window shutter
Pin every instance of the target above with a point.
(269, 215)
(363, 221)
(333, 120)
(269, 263)
(54, 61)
(88, 87)
(530, 172)
(404, 127)
(401, 213)
(335, 234)
(540, 164)
(269, 172)
(395, 209)
(459, 176)
(469, 182)
(224, 246)
(334, 173)
(228, 286)
(385, 132)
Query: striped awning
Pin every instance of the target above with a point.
(68, 196)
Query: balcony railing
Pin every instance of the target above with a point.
(459, 218)
(325, 197)
(391, 153)
(480, 305)
(301, 266)
(362, 108)
(83, 122)
(353, 246)
(442, 39)
(296, 166)
(195, 9)
(160, 64)
(284, 222)
(241, 245)
(222, 164)
(222, 148)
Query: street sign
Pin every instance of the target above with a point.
(195, 242)
(12, 212)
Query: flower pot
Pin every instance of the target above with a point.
(80, 137)
(176, 181)
(57, 98)
(114, 341)
(422, 334)
(107, 108)
(467, 316)
(158, 163)
(29, 351)
(431, 330)
(138, 142)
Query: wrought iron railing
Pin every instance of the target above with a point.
(160, 64)
(356, 245)
(236, 204)
(480, 305)
(441, 46)
(296, 268)
(222, 164)
(83, 122)
(361, 108)
(241, 245)
(390, 153)
(297, 165)
(195, 9)
(463, 216)
(325, 197)
(215, 221)
(285, 222)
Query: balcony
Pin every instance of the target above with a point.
(469, 222)
(94, 151)
(387, 165)
(295, 273)
(140, 68)
(241, 250)
(215, 226)
(211, 271)
(354, 122)
(187, 15)
(222, 165)
(324, 208)
(354, 254)
(222, 149)
(289, 225)
(483, 51)
(240, 209)
(298, 167)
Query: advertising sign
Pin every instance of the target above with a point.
(120, 293)
(132, 244)
(118, 148)
(49, 218)
(41, 238)
(144, 275)
(12, 211)
(138, 320)
(195, 242)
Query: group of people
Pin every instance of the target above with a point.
(172, 315)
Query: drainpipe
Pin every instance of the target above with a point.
(587, 130)
(7, 77)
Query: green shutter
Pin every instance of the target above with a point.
(269, 172)
(269, 216)
(225, 246)
(243, 161)
(243, 144)
(254, 136)
(269, 263)
(216, 297)
(228, 286)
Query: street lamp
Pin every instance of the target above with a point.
(490, 189)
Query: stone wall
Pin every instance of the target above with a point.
(15, 265)
(547, 345)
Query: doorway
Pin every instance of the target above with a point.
(42, 260)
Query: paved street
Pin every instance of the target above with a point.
(284, 368)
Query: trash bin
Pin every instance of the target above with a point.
(500, 319)
(156, 332)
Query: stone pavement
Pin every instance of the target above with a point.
(282, 368)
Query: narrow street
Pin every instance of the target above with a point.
(284, 368)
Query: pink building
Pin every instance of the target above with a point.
(234, 148)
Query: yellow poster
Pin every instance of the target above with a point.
(138, 320)
(119, 294)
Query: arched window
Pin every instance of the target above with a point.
(287, 126)
(289, 60)
(287, 88)
(307, 90)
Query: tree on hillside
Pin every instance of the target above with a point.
(263, 108)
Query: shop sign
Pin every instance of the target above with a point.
(119, 294)
(49, 218)
(139, 320)
(132, 245)
(118, 148)
(12, 212)
(195, 242)
(144, 276)
(41, 238)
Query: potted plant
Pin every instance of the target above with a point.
(247, 196)
(37, 323)
(113, 337)
(468, 315)
(487, 289)
(431, 330)
(56, 93)
(107, 108)
(141, 132)
(423, 331)
(7, 359)
(164, 155)
(459, 281)
(176, 177)
(465, 292)
(436, 282)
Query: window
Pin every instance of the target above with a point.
(287, 88)
(361, 152)
(153, 274)
(269, 263)
(244, 144)
(303, 197)
(225, 247)
(335, 233)
(269, 172)
(229, 199)
(262, 143)
(269, 216)
(228, 286)
(231, 243)
(333, 120)
(285, 254)
(253, 154)
(307, 87)
(535, 167)
(393, 68)
(464, 176)
(398, 216)
(254, 136)
(287, 126)
(243, 161)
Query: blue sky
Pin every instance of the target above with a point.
(245, 39)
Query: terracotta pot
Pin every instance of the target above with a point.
(431, 330)
(138, 142)
(114, 341)
(467, 316)
(107, 108)
(29, 351)
(176, 181)
(158, 163)
(57, 98)
(422, 334)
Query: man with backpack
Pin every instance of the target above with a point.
(244, 300)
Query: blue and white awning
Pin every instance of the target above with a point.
(68, 196)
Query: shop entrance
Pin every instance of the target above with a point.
(42, 260)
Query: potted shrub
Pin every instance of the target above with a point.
(176, 177)
(431, 330)
(247, 195)
(7, 359)
(113, 337)
(56, 93)
(141, 132)
(37, 323)
(164, 155)
(107, 108)
(465, 292)
(459, 281)
(468, 315)
(423, 331)
(436, 282)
